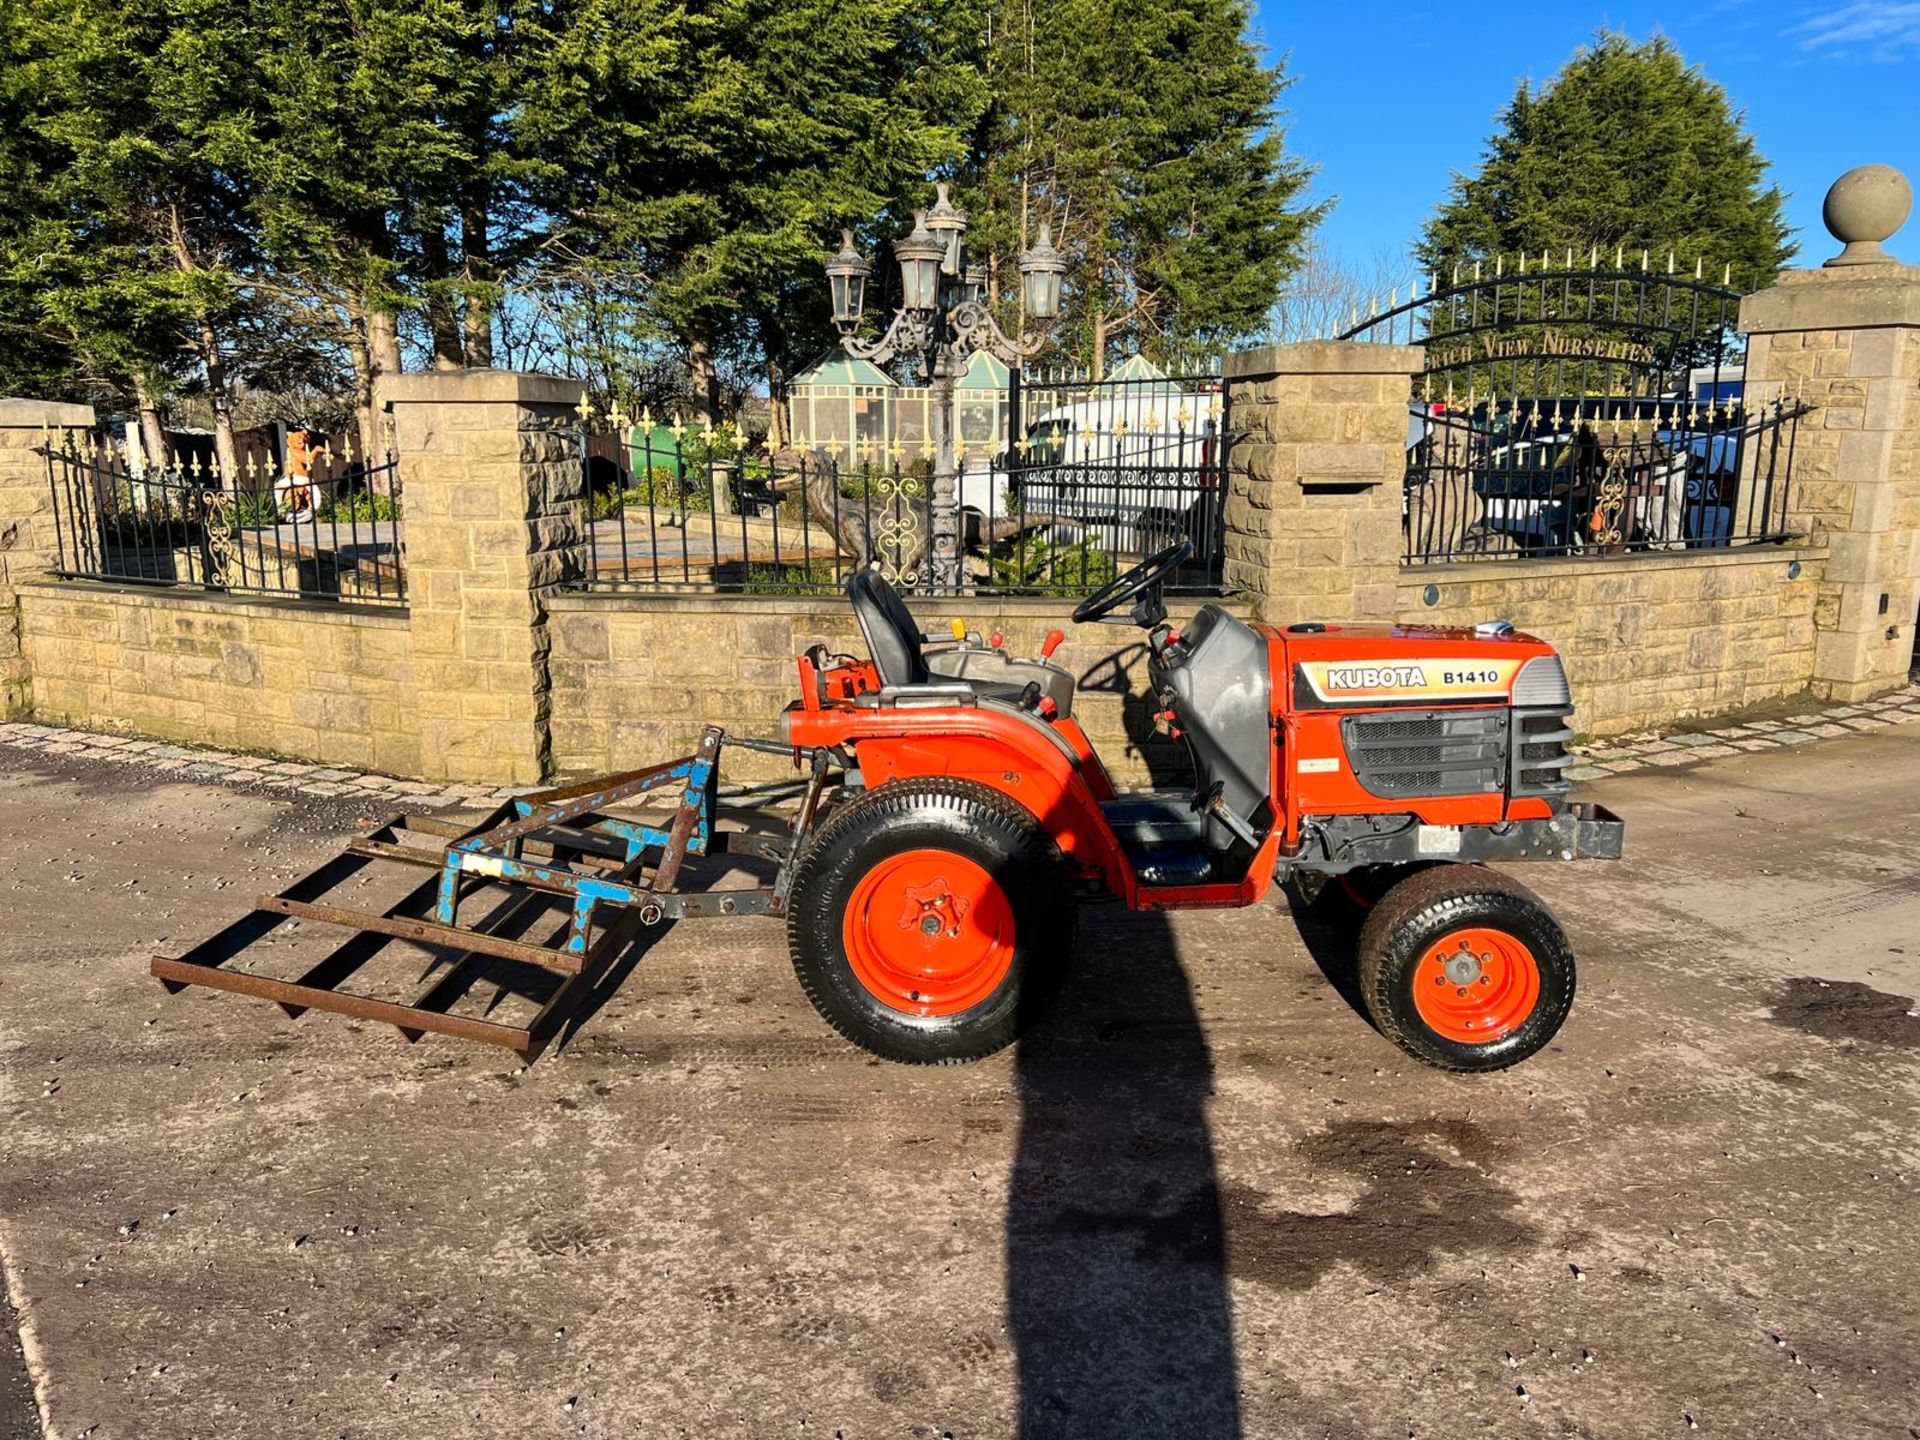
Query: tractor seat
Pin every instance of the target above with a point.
(896, 643)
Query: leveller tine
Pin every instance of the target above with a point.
(556, 855)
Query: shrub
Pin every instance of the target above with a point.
(254, 510)
(360, 508)
(1039, 561)
(661, 488)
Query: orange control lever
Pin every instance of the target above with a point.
(1055, 639)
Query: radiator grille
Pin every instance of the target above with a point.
(1428, 752)
(1540, 757)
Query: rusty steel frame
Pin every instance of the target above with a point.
(553, 848)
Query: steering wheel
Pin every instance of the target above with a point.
(1143, 579)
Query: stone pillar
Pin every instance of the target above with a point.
(491, 485)
(1314, 482)
(1846, 339)
(27, 541)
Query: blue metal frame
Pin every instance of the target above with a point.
(498, 853)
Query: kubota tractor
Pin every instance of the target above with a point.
(953, 813)
(1383, 764)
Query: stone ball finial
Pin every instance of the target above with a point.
(1864, 207)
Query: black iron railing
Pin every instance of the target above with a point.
(332, 534)
(1094, 477)
(1595, 477)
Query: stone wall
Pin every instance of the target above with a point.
(1647, 639)
(490, 470)
(318, 682)
(1846, 340)
(27, 542)
(635, 677)
(1313, 494)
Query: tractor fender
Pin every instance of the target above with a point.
(1046, 769)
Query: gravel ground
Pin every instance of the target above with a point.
(1203, 1199)
(19, 1420)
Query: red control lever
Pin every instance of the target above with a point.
(996, 640)
(1055, 639)
(1047, 708)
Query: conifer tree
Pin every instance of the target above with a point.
(1627, 147)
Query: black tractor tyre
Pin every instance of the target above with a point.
(879, 846)
(1515, 976)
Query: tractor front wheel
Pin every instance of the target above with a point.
(929, 920)
(1464, 969)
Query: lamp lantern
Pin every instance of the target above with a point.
(847, 281)
(919, 256)
(1040, 271)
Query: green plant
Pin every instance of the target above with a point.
(360, 508)
(1040, 562)
(254, 510)
(665, 490)
(815, 577)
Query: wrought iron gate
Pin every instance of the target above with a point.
(1569, 408)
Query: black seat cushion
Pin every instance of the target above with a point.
(895, 642)
(893, 636)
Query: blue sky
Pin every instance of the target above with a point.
(1390, 99)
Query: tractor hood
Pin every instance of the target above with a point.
(1375, 665)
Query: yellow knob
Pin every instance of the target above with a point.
(959, 629)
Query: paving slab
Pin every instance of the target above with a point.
(1201, 1199)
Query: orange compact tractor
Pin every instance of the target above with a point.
(954, 811)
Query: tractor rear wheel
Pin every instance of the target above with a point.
(1465, 969)
(930, 920)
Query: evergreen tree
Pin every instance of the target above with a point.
(1146, 134)
(700, 157)
(380, 150)
(1627, 147)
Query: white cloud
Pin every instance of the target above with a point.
(1885, 30)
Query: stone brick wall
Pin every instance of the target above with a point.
(1847, 341)
(490, 468)
(635, 677)
(1313, 494)
(316, 682)
(1647, 639)
(26, 525)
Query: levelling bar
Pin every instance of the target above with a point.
(537, 858)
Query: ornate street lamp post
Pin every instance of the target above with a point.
(942, 320)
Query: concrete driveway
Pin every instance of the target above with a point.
(1204, 1199)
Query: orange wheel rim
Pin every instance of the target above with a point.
(1476, 986)
(928, 932)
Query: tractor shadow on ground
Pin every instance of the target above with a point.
(1117, 1293)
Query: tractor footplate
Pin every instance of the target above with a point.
(538, 900)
